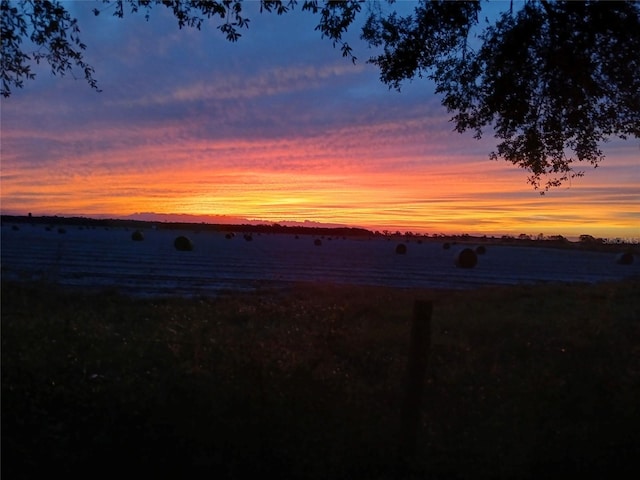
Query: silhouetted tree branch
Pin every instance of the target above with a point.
(54, 35)
(553, 80)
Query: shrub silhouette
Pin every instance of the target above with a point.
(625, 259)
(401, 249)
(467, 258)
(183, 244)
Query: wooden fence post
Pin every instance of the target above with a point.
(416, 368)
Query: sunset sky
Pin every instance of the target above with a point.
(276, 127)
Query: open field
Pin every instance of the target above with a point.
(108, 257)
(307, 382)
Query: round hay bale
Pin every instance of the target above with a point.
(229, 236)
(446, 245)
(467, 258)
(401, 249)
(248, 237)
(625, 259)
(137, 236)
(317, 242)
(481, 250)
(183, 244)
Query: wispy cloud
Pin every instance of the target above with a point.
(265, 83)
(275, 129)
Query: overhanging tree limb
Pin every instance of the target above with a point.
(553, 80)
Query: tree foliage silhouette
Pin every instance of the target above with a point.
(552, 80)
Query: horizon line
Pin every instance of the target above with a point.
(199, 219)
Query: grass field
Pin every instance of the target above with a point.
(308, 383)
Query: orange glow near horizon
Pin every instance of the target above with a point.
(303, 179)
(276, 130)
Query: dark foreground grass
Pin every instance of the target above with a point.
(308, 383)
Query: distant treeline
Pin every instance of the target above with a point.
(145, 224)
(585, 242)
